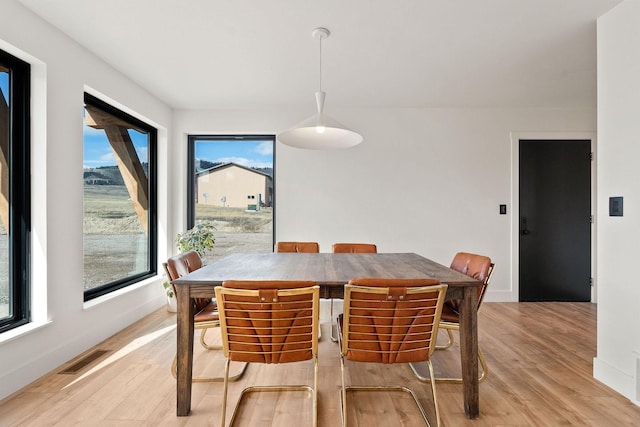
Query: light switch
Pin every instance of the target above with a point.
(615, 206)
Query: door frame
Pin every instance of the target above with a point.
(515, 202)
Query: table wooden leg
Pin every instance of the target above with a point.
(469, 351)
(184, 350)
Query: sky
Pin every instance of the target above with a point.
(256, 154)
(97, 151)
(4, 84)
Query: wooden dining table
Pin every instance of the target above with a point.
(331, 272)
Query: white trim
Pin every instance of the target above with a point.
(38, 269)
(613, 377)
(151, 281)
(498, 296)
(20, 331)
(112, 102)
(515, 197)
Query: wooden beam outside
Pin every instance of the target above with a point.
(4, 162)
(3, 69)
(131, 169)
(98, 119)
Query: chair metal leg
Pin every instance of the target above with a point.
(236, 377)
(224, 393)
(204, 344)
(343, 395)
(483, 376)
(344, 389)
(449, 343)
(433, 393)
(275, 388)
(386, 388)
(483, 363)
(315, 391)
(334, 338)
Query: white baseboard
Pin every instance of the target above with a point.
(499, 296)
(614, 378)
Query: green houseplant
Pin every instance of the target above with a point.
(201, 239)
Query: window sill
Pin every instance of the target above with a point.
(157, 280)
(20, 331)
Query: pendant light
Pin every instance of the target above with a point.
(320, 132)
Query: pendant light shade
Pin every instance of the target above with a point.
(320, 132)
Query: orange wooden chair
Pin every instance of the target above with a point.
(480, 268)
(206, 310)
(270, 322)
(390, 321)
(361, 248)
(349, 248)
(302, 247)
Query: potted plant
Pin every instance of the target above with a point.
(200, 239)
(172, 303)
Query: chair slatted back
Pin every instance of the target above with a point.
(269, 321)
(302, 247)
(360, 248)
(391, 320)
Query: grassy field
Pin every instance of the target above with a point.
(108, 210)
(238, 230)
(236, 219)
(114, 241)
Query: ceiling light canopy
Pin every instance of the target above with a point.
(320, 132)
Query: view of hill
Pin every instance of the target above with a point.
(105, 175)
(206, 164)
(110, 175)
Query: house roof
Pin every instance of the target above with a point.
(230, 164)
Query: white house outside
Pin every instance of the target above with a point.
(234, 185)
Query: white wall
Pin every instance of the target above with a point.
(63, 325)
(616, 363)
(428, 181)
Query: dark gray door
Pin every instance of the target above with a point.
(555, 220)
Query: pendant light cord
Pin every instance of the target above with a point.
(320, 74)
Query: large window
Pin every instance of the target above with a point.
(15, 192)
(231, 185)
(119, 199)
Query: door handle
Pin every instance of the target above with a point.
(523, 228)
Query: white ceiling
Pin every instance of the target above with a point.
(210, 54)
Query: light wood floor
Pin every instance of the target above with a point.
(540, 358)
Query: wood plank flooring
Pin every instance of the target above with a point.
(539, 354)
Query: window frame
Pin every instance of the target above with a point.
(191, 176)
(19, 150)
(152, 238)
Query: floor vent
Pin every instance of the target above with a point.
(86, 360)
